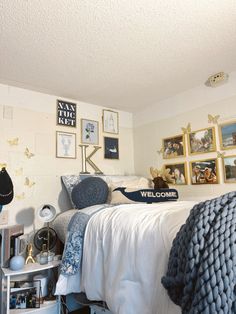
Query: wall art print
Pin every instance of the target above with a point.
(89, 132)
(204, 171)
(65, 145)
(173, 147)
(66, 113)
(227, 133)
(110, 121)
(229, 167)
(111, 148)
(202, 141)
(178, 172)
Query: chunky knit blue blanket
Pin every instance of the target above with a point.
(201, 275)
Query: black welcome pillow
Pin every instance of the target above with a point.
(124, 195)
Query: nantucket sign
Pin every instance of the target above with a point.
(66, 113)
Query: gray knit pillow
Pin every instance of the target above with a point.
(90, 191)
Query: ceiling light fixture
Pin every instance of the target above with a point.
(217, 79)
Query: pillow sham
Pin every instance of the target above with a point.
(69, 181)
(122, 195)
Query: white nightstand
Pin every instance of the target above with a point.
(52, 307)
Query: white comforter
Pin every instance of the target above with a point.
(126, 250)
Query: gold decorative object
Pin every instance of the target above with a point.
(27, 153)
(220, 155)
(29, 258)
(13, 142)
(29, 183)
(187, 129)
(87, 159)
(213, 119)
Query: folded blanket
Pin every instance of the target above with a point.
(72, 255)
(201, 275)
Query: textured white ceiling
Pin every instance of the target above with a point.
(121, 54)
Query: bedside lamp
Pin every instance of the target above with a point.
(47, 213)
(46, 237)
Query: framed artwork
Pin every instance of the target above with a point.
(229, 167)
(173, 147)
(111, 148)
(178, 172)
(65, 145)
(204, 171)
(227, 134)
(89, 132)
(202, 141)
(66, 113)
(110, 121)
(25, 294)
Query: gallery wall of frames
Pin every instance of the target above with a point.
(197, 143)
(67, 142)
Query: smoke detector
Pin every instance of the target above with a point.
(217, 79)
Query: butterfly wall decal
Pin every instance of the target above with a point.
(19, 172)
(13, 142)
(220, 155)
(29, 183)
(213, 119)
(3, 165)
(27, 153)
(187, 129)
(160, 151)
(20, 196)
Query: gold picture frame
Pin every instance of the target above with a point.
(227, 135)
(178, 172)
(174, 147)
(110, 121)
(229, 168)
(204, 171)
(65, 145)
(89, 132)
(202, 141)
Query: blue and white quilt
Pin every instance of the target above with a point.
(73, 252)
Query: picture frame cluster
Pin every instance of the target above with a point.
(66, 142)
(202, 141)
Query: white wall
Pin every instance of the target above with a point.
(153, 124)
(31, 117)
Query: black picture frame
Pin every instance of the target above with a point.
(66, 113)
(111, 148)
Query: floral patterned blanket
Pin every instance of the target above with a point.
(73, 251)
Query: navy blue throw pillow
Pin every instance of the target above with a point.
(90, 191)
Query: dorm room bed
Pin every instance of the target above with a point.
(123, 257)
(125, 254)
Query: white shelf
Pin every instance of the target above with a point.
(30, 268)
(43, 307)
